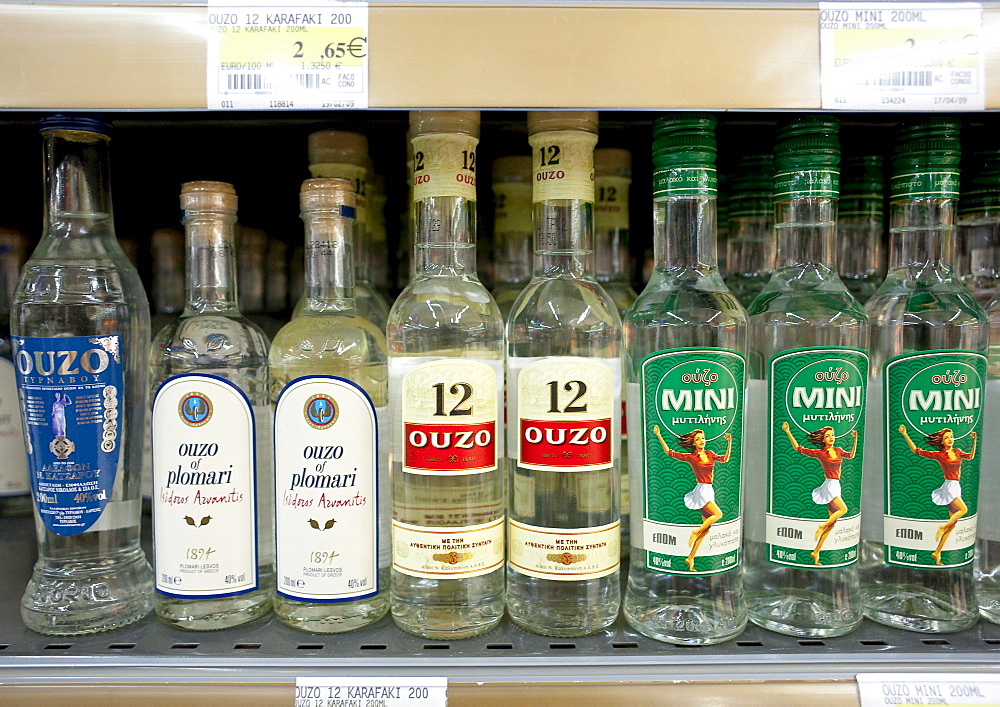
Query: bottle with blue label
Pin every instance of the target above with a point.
(80, 334)
(211, 437)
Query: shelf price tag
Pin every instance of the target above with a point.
(385, 692)
(901, 56)
(928, 689)
(287, 54)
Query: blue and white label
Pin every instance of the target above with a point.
(204, 488)
(70, 391)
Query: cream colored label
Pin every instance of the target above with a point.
(14, 469)
(512, 207)
(565, 554)
(563, 165)
(444, 164)
(357, 175)
(611, 206)
(450, 552)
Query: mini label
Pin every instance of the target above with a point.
(692, 441)
(879, 689)
(816, 429)
(567, 412)
(565, 554)
(14, 470)
(563, 165)
(812, 183)
(933, 420)
(448, 552)
(326, 486)
(444, 164)
(685, 181)
(512, 207)
(449, 412)
(611, 207)
(924, 185)
(357, 175)
(373, 691)
(71, 389)
(204, 488)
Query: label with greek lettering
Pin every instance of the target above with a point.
(933, 420)
(204, 488)
(357, 174)
(805, 184)
(611, 207)
(565, 554)
(14, 470)
(924, 185)
(563, 165)
(685, 181)
(70, 390)
(447, 552)
(444, 164)
(326, 465)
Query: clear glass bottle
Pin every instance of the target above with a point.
(988, 528)
(379, 241)
(722, 222)
(808, 370)
(329, 382)
(978, 232)
(344, 155)
(751, 242)
(446, 390)
(564, 402)
(167, 250)
(929, 337)
(685, 342)
(251, 271)
(276, 296)
(861, 225)
(511, 228)
(210, 429)
(80, 302)
(15, 488)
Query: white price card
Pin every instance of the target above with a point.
(901, 56)
(928, 689)
(287, 54)
(371, 691)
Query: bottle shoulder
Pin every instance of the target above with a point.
(806, 295)
(444, 303)
(326, 336)
(935, 303)
(208, 341)
(567, 303)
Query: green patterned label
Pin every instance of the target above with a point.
(816, 428)
(692, 437)
(815, 183)
(978, 200)
(685, 181)
(933, 420)
(864, 206)
(924, 185)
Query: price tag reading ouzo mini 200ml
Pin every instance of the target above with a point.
(287, 54)
(901, 56)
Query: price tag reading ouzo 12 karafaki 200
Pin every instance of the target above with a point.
(287, 54)
(901, 56)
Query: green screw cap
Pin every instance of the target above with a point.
(684, 140)
(807, 143)
(930, 145)
(981, 191)
(862, 175)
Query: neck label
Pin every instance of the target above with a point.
(357, 175)
(685, 181)
(804, 184)
(924, 185)
(562, 165)
(444, 164)
(512, 202)
(611, 207)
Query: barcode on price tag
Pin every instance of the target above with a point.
(923, 689)
(901, 56)
(287, 54)
(371, 692)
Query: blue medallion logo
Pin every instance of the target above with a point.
(195, 409)
(321, 411)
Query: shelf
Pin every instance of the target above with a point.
(634, 55)
(265, 658)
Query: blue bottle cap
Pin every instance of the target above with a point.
(88, 122)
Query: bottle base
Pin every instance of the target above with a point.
(212, 614)
(446, 623)
(682, 621)
(801, 614)
(330, 618)
(546, 620)
(75, 599)
(914, 608)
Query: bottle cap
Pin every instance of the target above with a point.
(862, 175)
(749, 191)
(328, 193)
(540, 121)
(612, 162)
(981, 190)
(326, 146)
(686, 139)
(513, 168)
(929, 145)
(208, 196)
(807, 143)
(426, 122)
(84, 122)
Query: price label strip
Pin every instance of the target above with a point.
(287, 54)
(941, 689)
(362, 691)
(901, 56)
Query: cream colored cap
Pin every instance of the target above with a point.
(208, 196)
(540, 121)
(326, 146)
(425, 122)
(327, 193)
(512, 168)
(612, 162)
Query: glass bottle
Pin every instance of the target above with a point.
(511, 228)
(167, 250)
(379, 246)
(722, 221)
(251, 259)
(861, 225)
(563, 401)
(988, 528)
(929, 337)
(342, 154)
(15, 488)
(978, 232)
(276, 297)
(685, 339)
(446, 388)
(80, 303)
(210, 429)
(805, 405)
(329, 382)
(751, 228)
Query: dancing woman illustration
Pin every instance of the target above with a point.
(59, 414)
(950, 492)
(831, 458)
(702, 496)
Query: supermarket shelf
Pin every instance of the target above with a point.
(633, 55)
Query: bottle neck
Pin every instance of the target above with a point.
(751, 244)
(211, 272)
(806, 230)
(564, 238)
(168, 283)
(921, 236)
(513, 257)
(445, 237)
(684, 235)
(329, 262)
(860, 225)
